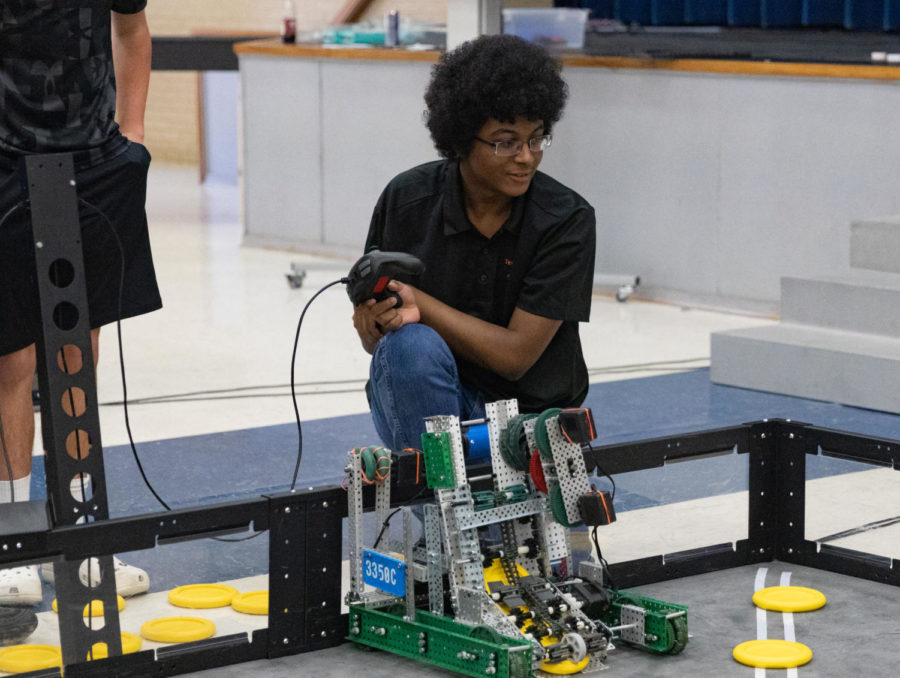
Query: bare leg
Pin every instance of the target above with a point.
(17, 410)
(18, 585)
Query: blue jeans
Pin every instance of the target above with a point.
(413, 375)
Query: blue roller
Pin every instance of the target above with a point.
(479, 443)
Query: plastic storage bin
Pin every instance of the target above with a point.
(560, 27)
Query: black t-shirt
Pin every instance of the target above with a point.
(541, 260)
(57, 87)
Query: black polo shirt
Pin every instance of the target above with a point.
(541, 260)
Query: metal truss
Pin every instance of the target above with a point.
(777, 450)
(300, 546)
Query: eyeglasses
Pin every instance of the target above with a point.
(509, 147)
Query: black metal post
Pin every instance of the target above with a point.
(70, 420)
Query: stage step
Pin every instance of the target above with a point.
(810, 362)
(869, 306)
(875, 244)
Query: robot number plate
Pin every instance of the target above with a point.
(384, 573)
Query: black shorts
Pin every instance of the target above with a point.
(118, 188)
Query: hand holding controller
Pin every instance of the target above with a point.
(370, 275)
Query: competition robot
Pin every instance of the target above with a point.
(491, 590)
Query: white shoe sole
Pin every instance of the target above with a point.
(140, 582)
(22, 593)
(24, 599)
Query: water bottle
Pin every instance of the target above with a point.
(392, 28)
(289, 23)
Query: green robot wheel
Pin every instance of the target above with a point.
(541, 437)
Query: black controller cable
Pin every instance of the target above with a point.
(6, 460)
(124, 385)
(134, 453)
(387, 521)
(122, 371)
(293, 388)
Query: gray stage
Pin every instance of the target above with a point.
(856, 633)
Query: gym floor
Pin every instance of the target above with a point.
(211, 414)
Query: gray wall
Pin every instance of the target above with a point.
(321, 139)
(710, 187)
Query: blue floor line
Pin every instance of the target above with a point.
(250, 462)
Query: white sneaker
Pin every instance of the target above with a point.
(20, 586)
(130, 580)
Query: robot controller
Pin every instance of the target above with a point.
(370, 275)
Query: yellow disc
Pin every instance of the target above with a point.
(130, 643)
(252, 602)
(789, 599)
(565, 667)
(94, 608)
(177, 629)
(199, 596)
(772, 654)
(25, 658)
(494, 572)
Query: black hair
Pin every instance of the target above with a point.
(500, 77)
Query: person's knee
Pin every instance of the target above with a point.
(418, 350)
(17, 369)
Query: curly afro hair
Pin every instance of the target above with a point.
(500, 77)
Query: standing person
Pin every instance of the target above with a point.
(66, 70)
(508, 252)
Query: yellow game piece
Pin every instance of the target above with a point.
(565, 667)
(94, 608)
(201, 596)
(130, 643)
(495, 572)
(789, 599)
(178, 629)
(772, 654)
(25, 658)
(252, 602)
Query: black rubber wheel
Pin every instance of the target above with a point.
(16, 624)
